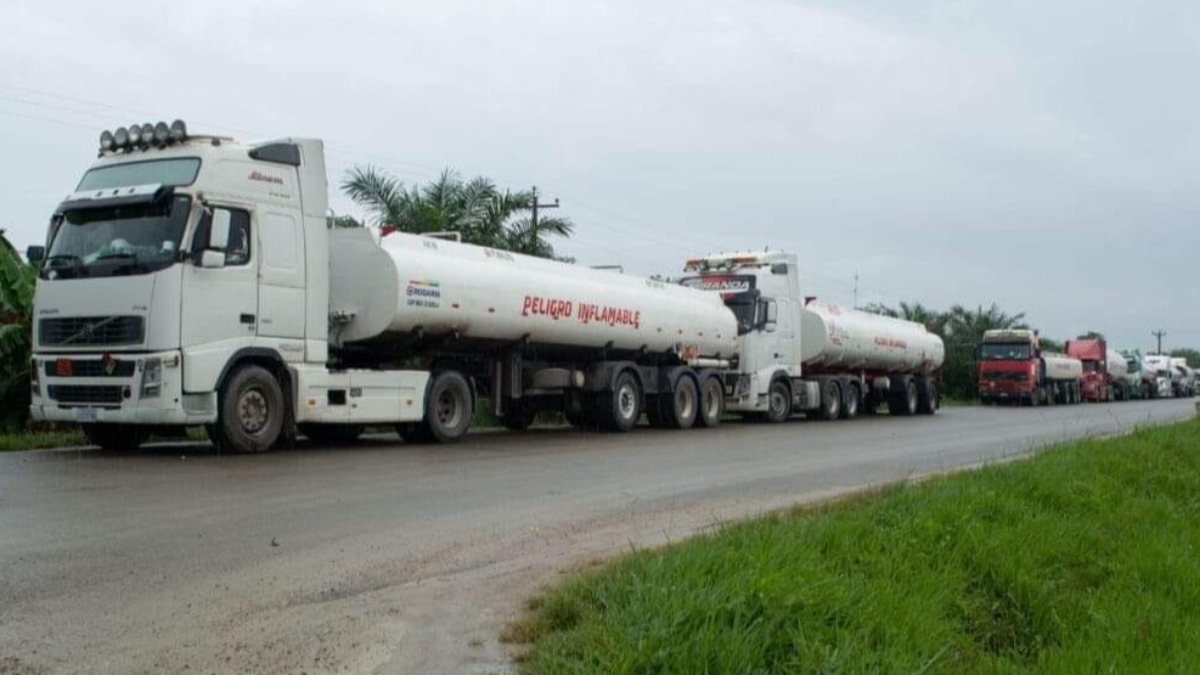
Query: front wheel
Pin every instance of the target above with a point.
(112, 437)
(252, 411)
(779, 402)
(450, 407)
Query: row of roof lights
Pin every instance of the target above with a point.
(143, 136)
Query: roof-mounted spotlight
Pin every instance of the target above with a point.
(148, 134)
(162, 133)
(121, 137)
(106, 141)
(135, 135)
(178, 131)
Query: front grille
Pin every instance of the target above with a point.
(1000, 377)
(79, 368)
(86, 394)
(91, 330)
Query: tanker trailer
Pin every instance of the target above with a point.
(802, 356)
(1126, 385)
(1168, 379)
(533, 334)
(1187, 376)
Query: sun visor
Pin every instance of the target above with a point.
(109, 197)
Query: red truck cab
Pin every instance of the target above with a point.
(1009, 367)
(1097, 382)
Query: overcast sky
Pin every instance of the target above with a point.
(1040, 155)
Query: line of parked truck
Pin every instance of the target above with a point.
(1013, 368)
(194, 281)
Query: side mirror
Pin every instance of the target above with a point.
(35, 254)
(211, 259)
(218, 233)
(770, 315)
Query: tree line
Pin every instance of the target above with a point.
(962, 329)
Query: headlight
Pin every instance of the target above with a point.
(151, 377)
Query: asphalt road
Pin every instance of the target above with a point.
(387, 558)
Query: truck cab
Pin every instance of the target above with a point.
(181, 264)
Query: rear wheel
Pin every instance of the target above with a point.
(779, 402)
(903, 397)
(684, 403)
(850, 401)
(831, 400)
(624, 403)
(252, 411)
(449, 408)
(928, 398)
(332, 434)
(712, 402)
(113, 437)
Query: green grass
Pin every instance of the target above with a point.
(1085, 559)
(39, 440)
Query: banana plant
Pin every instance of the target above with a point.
(17, 280)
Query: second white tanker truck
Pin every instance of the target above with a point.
(194, 281)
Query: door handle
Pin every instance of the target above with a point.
(248, 318)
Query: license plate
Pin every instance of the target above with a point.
(85, 414)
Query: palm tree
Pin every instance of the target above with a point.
(482, 213)
(16, 311)
(914, 311)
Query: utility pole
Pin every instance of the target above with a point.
(537, 206)
(1159, 334)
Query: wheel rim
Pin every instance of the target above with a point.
(253, 411)
(626, 401)
(687, 402)
(912, 398)
(778, 401)
(449, 410)
(852, 404)
(833, 402)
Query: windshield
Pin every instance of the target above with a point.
(165, 172)
(745, 309)
(997, 351)
(1091, 366)
(118, 240)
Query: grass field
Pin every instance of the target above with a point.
(1085, 559)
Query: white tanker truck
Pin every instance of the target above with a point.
(194, 281)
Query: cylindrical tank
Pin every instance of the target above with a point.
(408, 283)
(1118, 368)
(836, 338)
(1062, 367)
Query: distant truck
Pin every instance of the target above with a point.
(1105, 372)
(1014, 369)
(795, 354)
(1170, 380)
(1145, 378)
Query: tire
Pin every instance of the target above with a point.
(684, 403)
(712, 402)
(831, 400)
(928, 397)
(624, 404)
(903, 398)
(851, 400)
(251, 411)
(779, 402)
(449, 407)
(332, 434)
(518, 417)
(113, 437)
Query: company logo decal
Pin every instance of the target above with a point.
(723, 283)
(266, 178)
(423, 293)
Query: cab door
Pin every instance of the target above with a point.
(219, 303)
